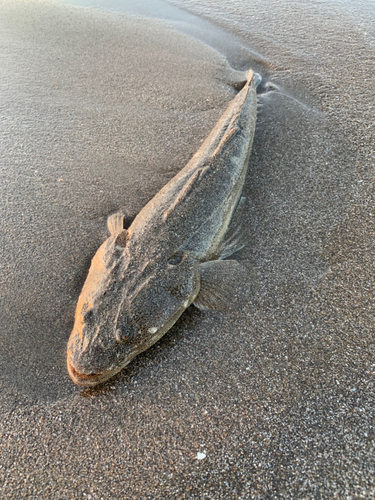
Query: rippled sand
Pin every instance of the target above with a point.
(98, 111)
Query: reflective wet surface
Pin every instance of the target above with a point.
(235, 50)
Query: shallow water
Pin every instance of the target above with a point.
(235, 50)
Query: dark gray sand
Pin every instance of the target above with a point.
(98, 111)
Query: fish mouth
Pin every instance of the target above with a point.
(88, 380)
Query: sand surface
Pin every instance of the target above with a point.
(98, 111)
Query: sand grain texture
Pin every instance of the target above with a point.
(97, 112)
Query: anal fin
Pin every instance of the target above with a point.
(235, 238)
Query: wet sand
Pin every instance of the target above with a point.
(98, 111)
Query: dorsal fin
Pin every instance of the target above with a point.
(234, 127)
(232, 131)
(115, 223)
(185, 191)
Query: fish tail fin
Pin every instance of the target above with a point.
(254, 78)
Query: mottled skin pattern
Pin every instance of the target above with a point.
(142, 279)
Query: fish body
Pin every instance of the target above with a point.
(143, 278)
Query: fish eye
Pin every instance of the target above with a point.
(175, 259)
(125, 332)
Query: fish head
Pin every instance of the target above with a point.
(127, 303)
(162, 291)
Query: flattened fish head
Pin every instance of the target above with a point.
(161, 294)
(125, 307)
(92, 346)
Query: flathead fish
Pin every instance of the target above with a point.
(143, 278)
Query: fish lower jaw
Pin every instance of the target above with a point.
(92, 379)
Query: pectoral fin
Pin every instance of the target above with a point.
(223, 284)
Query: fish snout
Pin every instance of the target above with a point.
(78, 377)
(92, 366)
